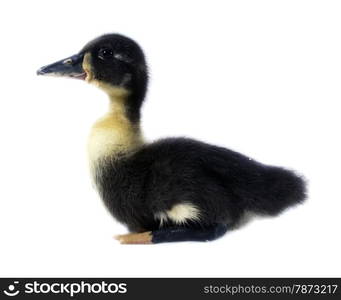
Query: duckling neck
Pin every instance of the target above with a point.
(114, 135)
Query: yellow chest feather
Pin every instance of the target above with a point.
(112, 135)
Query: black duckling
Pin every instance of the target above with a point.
(174, 189)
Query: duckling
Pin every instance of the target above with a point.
(173, 189)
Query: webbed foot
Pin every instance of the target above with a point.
(135, 238)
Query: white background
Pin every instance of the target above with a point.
(259, 77)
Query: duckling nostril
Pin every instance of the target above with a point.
(67, 61)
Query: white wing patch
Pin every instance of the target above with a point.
(179, 214)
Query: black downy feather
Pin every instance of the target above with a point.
(221, 183)
(137, 187)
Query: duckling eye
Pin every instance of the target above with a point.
(105, 53)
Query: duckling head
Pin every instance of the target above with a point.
(114, 63)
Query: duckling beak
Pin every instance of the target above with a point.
(67, 67)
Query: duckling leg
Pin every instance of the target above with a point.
(182, 234)
(135, 238)
(174, 234)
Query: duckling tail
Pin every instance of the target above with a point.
(282, 189)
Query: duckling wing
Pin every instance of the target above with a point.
(219, 178)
